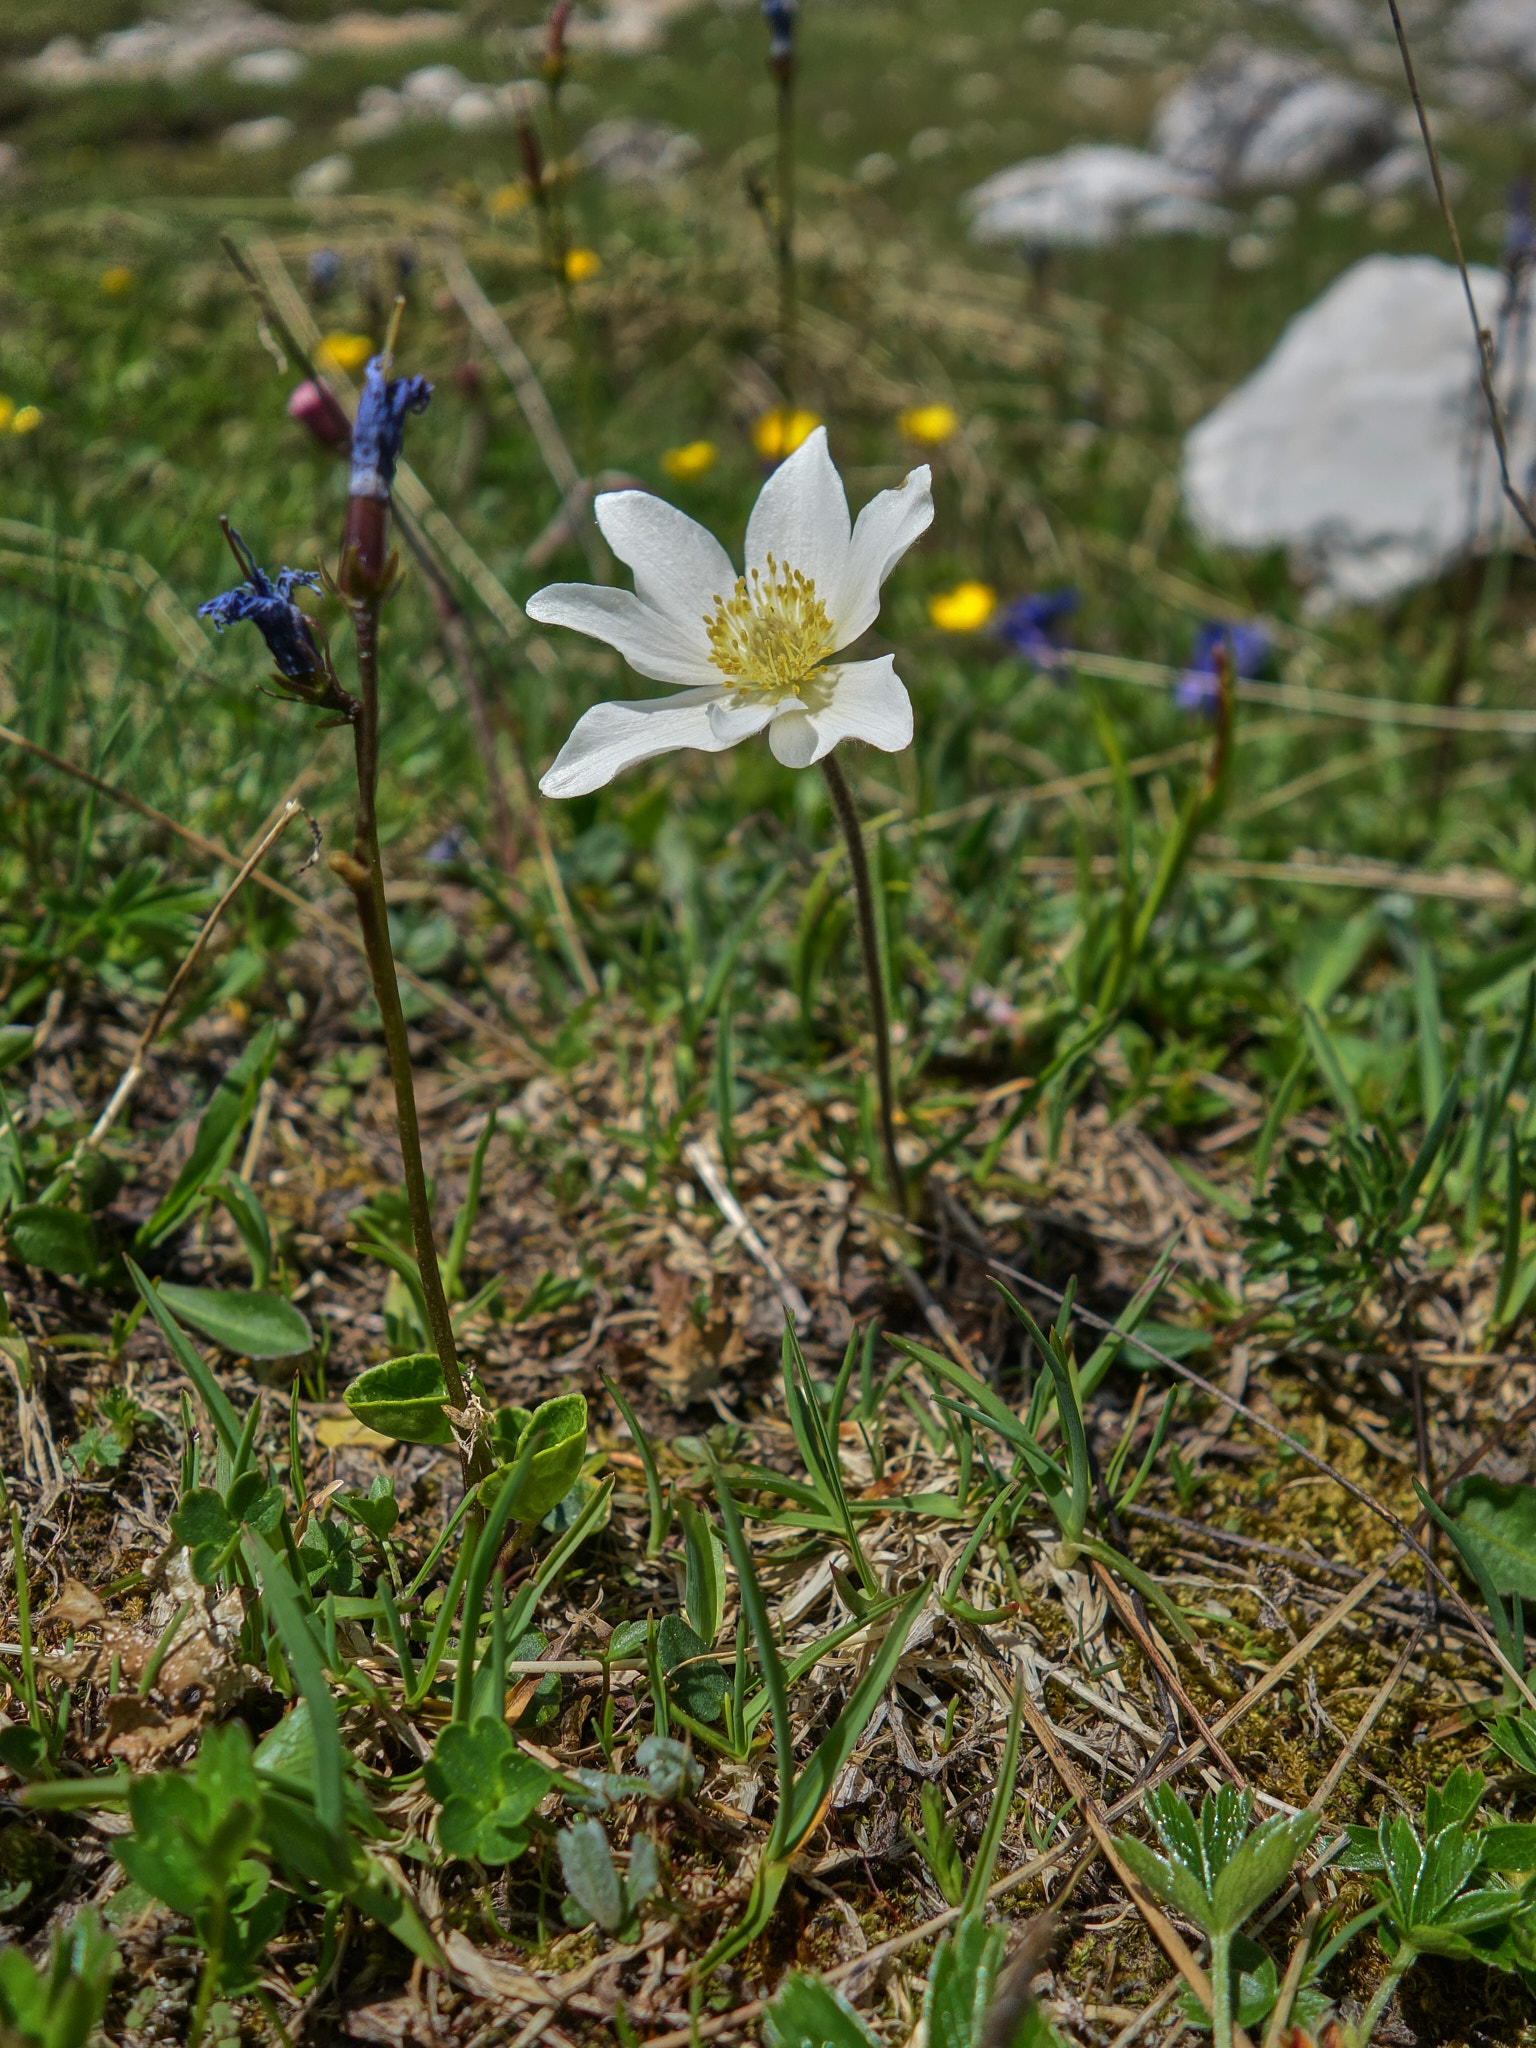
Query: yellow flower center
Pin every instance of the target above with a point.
(772, 633)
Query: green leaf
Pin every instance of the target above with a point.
(59, 2004)
(703, 1572)
(1450, 1858)
(1173, 1883)
(813, 1784)
(52, 1238)
(1254, 1981)
(376, 1509)
(249, 1324)
(403, 1398)
(1499, 1523)
(1455, 1802)
(1326, 1055)
(699, 1688)
(1514, 1735)
(673, 1769)
(1257, 1868)
(250, 1219)
(556, 1464)
(487, 1788)
(1179, 1832)
(961, 1981)
(1509, 1846)
(809, 2014)
(587, 1864)
(218, 1133)
(226, 1422)
(202, 1518)
(15, 1043)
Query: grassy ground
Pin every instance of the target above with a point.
(1247, 1100)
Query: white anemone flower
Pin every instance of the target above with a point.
(750, 650)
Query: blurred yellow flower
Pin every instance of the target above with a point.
(117, 280)
(780, 432)
(507, 200)
(580, 264)
(346, 352)
(929, 425)
(7, 412)
(27, 421)
(690, 461)
(964, 608)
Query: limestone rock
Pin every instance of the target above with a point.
(1255, 119)
(1361, 444)
(629, 150)
(1091, 195)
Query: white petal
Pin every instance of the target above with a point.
(612, 737)
(734, 718)
(649, 641)
(795, 740)
(886, 528)
(801, 517)
(680, 568)
(869, 702)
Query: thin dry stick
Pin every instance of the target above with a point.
(1132, 1621)
(1292, 1982)
(497, 340)
(138, 1064)
(1480, 333)
(1167, 1935)
(1497, 891)
(719, 1192)
(348, 935)
(1156, 675)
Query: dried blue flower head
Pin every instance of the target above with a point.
(267, 603)
(1031, 626)
(780, 17)
(1199, 688)
(379, 429)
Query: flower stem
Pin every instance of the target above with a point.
(784, 80)
(1221, 1991)
(848, 818)
(365, 874)
(1397, 1969)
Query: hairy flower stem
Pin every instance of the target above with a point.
(365, 875)
(848, 818)
(1221, 1991)
(784, 240)
(1364, 2031)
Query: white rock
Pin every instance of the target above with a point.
(1485, 94)
(434, 88)
(1496, 32)
(1091, 195)
(1202, 125)
(477, 108)
(1406, 169)
(269, 67)
(1323, 127)
(254, 138)
(629, 150)
(1361, 444)
(325, 178)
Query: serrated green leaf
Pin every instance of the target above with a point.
(1173, 1883)
(961, 1980)
(1455, 1802)
(1258, 1867)
(807, 2013)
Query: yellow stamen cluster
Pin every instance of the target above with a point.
(772, 634)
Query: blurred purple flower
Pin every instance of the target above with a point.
(1519, 230)
(268, 605)
(1030, 626)
(780, 17)
(378, 432)
(1198, 689)
(325, 271)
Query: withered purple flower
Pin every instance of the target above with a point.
(378, 432)
(780, 17)
(267, 603)
(1198, 688)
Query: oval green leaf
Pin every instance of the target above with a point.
(556, 1466)
(403, 1398)
(56, 1239)
(250, 1324)
(1499, 1522)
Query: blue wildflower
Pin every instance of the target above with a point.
(379, 429)
(268, 604)
(1198, 688)
(780, 17)
(325, 272)
(1030, 626)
